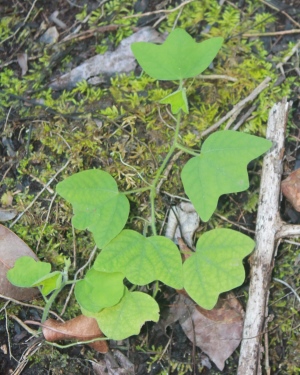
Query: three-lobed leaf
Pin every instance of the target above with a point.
(98, 205)
(179, 57)
(216, 266)
(99, 290)
(177, 100)
(126, 318)
(221, 168)
(142, 260)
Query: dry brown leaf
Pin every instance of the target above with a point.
(81, 328)
(217, 332)
(291, 189)
(12, 248)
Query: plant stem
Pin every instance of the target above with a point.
(153, 191)
(134, 191)
(187, 149)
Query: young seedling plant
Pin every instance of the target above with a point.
(217, 264)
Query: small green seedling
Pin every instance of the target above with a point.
(220, 168)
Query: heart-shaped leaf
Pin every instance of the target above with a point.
(99, 290)
(216, 266)
(98, 206)
(142, 260)
(11, 249)
(221, 168)
(126, 318)
(177, 100)
(179, 57)
(26, 272)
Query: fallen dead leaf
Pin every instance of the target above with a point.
(81, 328)
(217, 332)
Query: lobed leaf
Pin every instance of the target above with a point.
(27, 271)
(177, 100)
(179, 57)
(98, 205)
(127, 317)
(99, 290)
(142, 260)
(216, 266)
(49, 282)
(221, 168)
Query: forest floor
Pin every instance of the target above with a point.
(53, 127)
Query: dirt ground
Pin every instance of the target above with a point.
(42, 128)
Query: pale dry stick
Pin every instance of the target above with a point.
(262, 260)
(18, 29)
(51, 191)
(138, 15)
(272, 33)
(33, 332)
(233, 118)
(39, 194)
(272, 6)
(46, 222)
(252, 96)
(75, 278)
(217, 76)
(29, 305)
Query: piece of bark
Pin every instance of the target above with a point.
(268, 224)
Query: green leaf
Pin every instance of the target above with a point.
(98, 206)
(216, 266)
(126, 318)
(177, 100)
(179, 57)
(220, 169)
(142, 260)
(26, 272)
(99, 290)
(49, 282)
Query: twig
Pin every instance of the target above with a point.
(272, 33)
(168, 169)
(217, 76)
(288, 285)
(252, 96)
(29, 305)
(268, 223)
(18, 29)
(33, 332)
(39, 194)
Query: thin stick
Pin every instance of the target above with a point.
(29, 305)
(252, 96)
(39, 194)
(272, 33)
